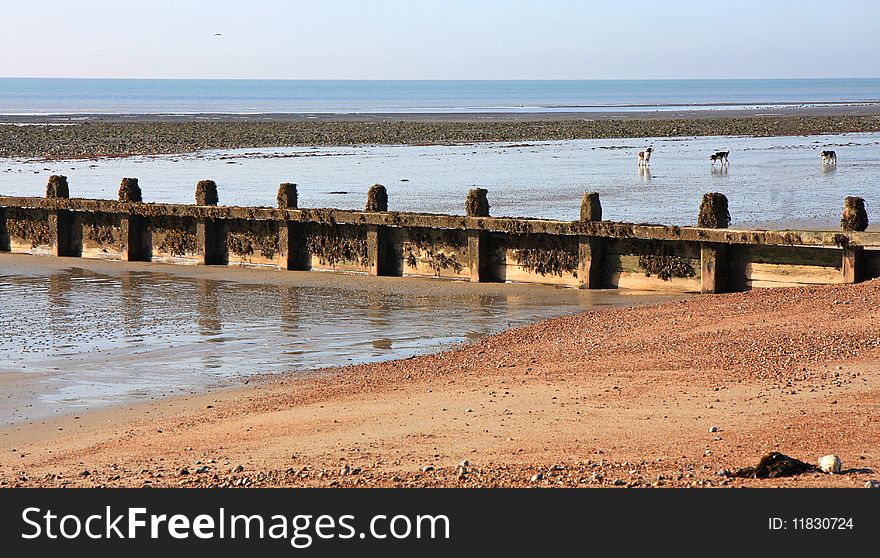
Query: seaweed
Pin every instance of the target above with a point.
(548, 261)
(245, 243)
(436, 258)
(657, 260)
(34, 231)
(331, 248)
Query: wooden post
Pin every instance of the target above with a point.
(591, 249)
(138, 245)
(713, 268)
(210, 242)
(853, 259)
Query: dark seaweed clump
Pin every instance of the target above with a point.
(477, 203)
(206, 193)
(245, 244)
(548, 261)
(714, 212)
(855, 217)
(129, 191)
(332, 248)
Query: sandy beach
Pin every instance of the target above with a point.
(670, 394)
(84, 136)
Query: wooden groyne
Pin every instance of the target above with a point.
(589, 253)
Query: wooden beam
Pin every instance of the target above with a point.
(61, 233)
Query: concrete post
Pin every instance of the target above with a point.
(713, 274)
(853, 263)
(378, 250)
(714, 214)
(591, 249)
(291, 237)
(479, 241)
(138, 245)
(378, 247)
(210, 242)
(61, 221)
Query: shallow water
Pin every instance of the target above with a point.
(76, 339)
(771, 182)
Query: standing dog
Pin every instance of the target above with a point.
(719, 156)
(829, 158)
(645, 157)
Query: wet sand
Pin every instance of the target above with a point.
(613, 397)
(72, 136)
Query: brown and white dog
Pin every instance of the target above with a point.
(829, 158)
(719, 156)
(645, 157)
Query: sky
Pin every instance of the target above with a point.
(446, 39)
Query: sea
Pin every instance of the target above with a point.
(49, 96)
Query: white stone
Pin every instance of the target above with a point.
(829, 464)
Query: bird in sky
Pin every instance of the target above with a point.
(218, 34)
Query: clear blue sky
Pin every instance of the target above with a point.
(443, 39)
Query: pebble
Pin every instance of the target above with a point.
(714, 429)
(830, 464)
(536, 477)
(872, 484)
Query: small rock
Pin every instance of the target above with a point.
(464, 463)
(203, 469)
(872, 484)
(468, 410)
(714, 429)
(830, 464)
(618, 482)
(537, 477)
(84, 474)
(724, 472)
(345, 471)
(427, 468)
(183, 472)
(238, 469)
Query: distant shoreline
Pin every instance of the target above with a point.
(686, 112)
(120, 135)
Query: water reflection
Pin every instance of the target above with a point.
(104, 338)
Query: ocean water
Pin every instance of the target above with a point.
(151, 96)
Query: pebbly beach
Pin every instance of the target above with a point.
(89, 136)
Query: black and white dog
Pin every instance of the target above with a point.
(829, 158)
(719, 156)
